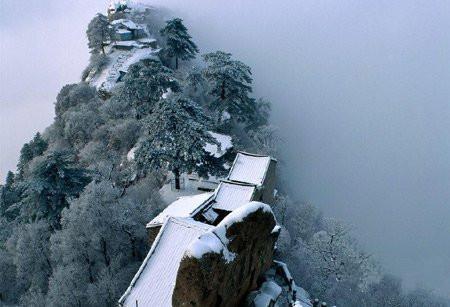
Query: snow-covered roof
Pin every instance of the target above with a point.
(268, 293)
(126, 44)
(153, 284)
(146, 40)
(249, 168)
(224, 141)
(126, 23)
(123, 31)
(184, 206)
(232, 195)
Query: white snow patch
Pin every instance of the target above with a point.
(206, 243)
(126, 23)
(121, 60)
(225, 143)
(242, 212)
(215, 240)
(276, 229)
(166, 93)
(131, 153)
(271, 288)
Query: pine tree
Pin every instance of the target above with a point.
(73, 95)
(54, 178)
(230, 85)
(98, 33)
(26, 155)
(179, 43)
(145, 83)
(9, 179)
(8, 196)
(36, 147)
(177, 134)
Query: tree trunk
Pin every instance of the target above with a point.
(222, 92)
(176, 62)
(177, 179)
(105, 252)
(103, 48)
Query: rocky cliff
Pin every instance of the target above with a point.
(223, 265)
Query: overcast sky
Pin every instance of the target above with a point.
(360, 90)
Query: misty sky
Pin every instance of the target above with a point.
(360, 90)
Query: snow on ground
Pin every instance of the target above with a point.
(268, 292)
(189, 187)
(131, 154)
(120, 60)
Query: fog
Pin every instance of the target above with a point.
(42, 47)
(360, 91)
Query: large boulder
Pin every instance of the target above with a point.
(224, 264)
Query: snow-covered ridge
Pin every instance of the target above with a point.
(129, 43)
(119, 62)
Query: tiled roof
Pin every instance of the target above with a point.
(153, 284)
(232, 195)
(249, 168)
(184, 206)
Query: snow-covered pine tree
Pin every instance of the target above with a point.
(98, 33)
(33, 149)
(179, 43)
(53, 179)
(230, 85)
(145, 83)
(176, 136)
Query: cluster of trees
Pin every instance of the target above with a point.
(327, 261)
(72, 217)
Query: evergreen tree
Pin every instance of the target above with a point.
(145, 83)
(179, 43)
(36, 147)
(32, 257)
(26, 155)
(176, 136)
(54, 178)
(8, 274)
(72, 95)
(9, 195)
(9, 181)
(101, 244)
(230, 85)
(98, 33)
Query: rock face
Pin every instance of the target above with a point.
(222, 266)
